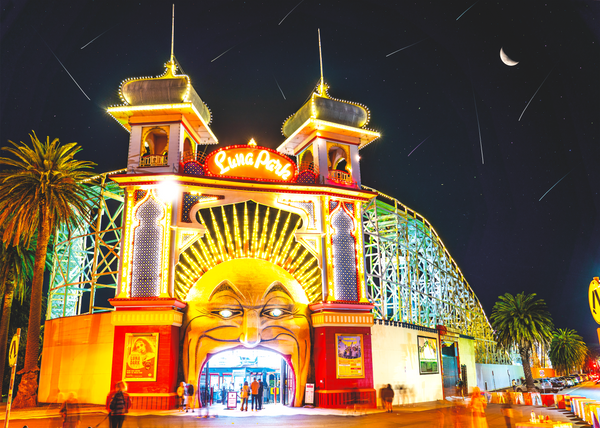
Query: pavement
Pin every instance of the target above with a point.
(429, 414)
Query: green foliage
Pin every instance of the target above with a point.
(567, 350)
(16, 267)
(42, 178)
(520, 321)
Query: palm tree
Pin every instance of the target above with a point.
(567, 350)
(16, 268)
(520, 322)
(41, 190)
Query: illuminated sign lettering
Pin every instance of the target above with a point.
(250, 162)
(594, 299)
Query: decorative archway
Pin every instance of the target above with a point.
(248, 283)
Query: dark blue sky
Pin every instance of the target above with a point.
(449, 88)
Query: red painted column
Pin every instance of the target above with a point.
(161, 317)
(333, 388)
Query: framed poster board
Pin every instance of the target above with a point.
(349, 359)
(140, 359)
(428, 355)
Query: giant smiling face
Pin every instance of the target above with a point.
(250, 303)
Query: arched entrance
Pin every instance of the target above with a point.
(248, 290)
(228, 370)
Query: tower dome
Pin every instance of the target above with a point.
(169, 88)
(323, 107)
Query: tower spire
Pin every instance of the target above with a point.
(322, 84)
(172, 32)
(171, 64)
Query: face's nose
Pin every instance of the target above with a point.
(250, 336)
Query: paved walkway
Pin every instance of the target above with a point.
(277, 410)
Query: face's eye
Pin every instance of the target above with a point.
(226, 313)
(275, 313)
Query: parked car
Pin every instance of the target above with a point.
(541, 385)
(575, 379)
(557, 384)
(567, 381)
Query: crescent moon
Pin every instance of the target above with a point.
(506, 60)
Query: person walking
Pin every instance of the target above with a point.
(514, 385)
(191, 398)
(244, 396)
(70, 412)
(254, 387)
(460, 386)
(261, 391)
(478, 405)
(387, 396)
(118, 404)
(180, 395)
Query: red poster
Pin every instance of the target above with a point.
(140, 360)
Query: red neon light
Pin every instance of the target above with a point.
(247, 162)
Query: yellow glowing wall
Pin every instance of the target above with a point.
(77, 357)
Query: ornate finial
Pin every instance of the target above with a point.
(171, 67)
(322, 84)
(252, 142)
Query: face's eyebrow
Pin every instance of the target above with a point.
(277, 286)
(226, 286)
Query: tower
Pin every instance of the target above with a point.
(325, 135)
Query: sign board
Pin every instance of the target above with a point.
(140, 357)
(594, 298)
(428, 355)
(309, 394)
(13, 351)
(248, 162)
(231, 400)
(349, 356)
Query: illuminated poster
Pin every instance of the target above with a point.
(349, 357)
(140, 359)
(428, 355)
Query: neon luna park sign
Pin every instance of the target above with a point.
(250, 162)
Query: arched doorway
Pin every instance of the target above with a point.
(248, 289)
(228, 370)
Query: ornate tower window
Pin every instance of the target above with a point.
(155, 146)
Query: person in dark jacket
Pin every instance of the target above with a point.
(118, 404)
(261, 390)
(189, 391)
(387, 396)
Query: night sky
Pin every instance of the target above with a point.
(449, 91)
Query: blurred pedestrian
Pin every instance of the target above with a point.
(244, 393)
(118, 404)
(478, 405)
(507, 412)
(191, 398)
(261, 391)
(180, 395)
(387, 396)
(223, 395)
(460, 386)
(70, 412)
(254, 387)
(514, 385)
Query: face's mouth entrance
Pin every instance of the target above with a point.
(226, 372)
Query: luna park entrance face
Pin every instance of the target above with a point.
(248, 304)
(226, 373)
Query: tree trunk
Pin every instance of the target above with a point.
(27, 394)
(527, 369)
(4, 324)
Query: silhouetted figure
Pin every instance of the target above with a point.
(118, 404)
(478, 405)
(261, 391)
(70, 412)
(387, 396)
